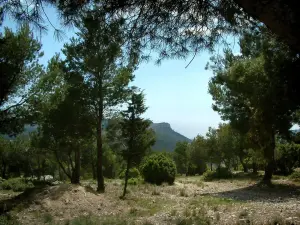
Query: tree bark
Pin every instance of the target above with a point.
(269, 155)
(126, 177)
(245, 167)
(254, 168)
(100, 178)
(4, 169)
(93, 166)
(76, 171)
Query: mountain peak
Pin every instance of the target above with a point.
(162, 125)
(166, 137)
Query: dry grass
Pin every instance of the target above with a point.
(188, 201)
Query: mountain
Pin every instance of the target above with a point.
(166, 137)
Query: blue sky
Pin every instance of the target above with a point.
(174, 94)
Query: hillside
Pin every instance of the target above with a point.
(166, 137)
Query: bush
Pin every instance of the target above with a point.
(295, 176)
(199, 169)
(220, 173)
(159, 168)
(287, 158)
(16, 184)
(133, 173)
(134, 181)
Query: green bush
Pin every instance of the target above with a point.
(16, 184)
(8, 220)
(295, 176)
(220, 173)
(133, 173)
(287, 158)
(159, 168)
(134, 181)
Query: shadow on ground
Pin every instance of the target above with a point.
(276, 193)
(33, 195)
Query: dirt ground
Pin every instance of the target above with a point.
(188, 201)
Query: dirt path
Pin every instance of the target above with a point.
(188, 201)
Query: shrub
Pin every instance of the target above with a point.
(134, 181)
(199, 168)
(8, 220)
(133, 173)
(220, 173)
(159, 168)
(295, 176)
(287, 158)
(16, 184)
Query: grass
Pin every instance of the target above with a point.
(147, 206)
(183, 193)
(18, 184)
(155, 191)
(8, 220)
(295, 176)
(133, 211)
(177, 201)
(277, 220)
(243, 214)
(198, 220)
(212, 201)
(187, 212)
(173, 212)
(47, 218)
(93, 220)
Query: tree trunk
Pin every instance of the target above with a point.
(254, 168)
(76, 172)
(93, 165)
(245, 167)
(100, 178)
(4, 170)
(269, 155)
(211, 169)
(126, 177)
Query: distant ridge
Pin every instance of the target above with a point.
(166, 137)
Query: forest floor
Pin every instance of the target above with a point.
(188, 201)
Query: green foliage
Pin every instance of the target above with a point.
(220, 173)
(182, 157)
(198, 156)
(287, 158)
(135, 132)
(295, 176)
(19, 66)
(134, 181)
(16, 184)
(133, 173)
(158, 168)
(8, 220)
(96, 55)
(250, 90)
